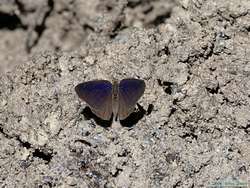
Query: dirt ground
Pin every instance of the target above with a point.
(190, 129)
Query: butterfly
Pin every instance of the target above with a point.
(105, 98)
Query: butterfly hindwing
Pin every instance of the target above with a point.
(98, 95)
(130, 91)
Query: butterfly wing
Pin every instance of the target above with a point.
(130, 91)
(98, 95)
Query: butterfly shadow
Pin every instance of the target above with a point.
(136, 116)
(88, 114)
(130, 121)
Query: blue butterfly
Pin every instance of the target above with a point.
(105, 98)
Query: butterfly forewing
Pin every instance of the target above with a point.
(98, 95)
(130, 91)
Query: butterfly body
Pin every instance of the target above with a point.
(105, 98)
(115, 99)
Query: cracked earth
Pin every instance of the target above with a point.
(190, 128)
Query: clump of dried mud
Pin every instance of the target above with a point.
(192, 125)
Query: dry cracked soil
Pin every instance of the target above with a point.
(190, 129)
